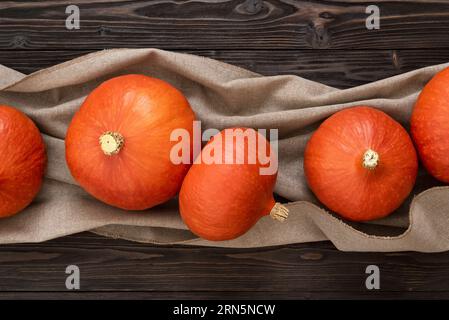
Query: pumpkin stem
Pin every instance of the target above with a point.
(370, 159)
(279, 212)
(111, 142)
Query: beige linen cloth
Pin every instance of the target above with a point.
(221, 96)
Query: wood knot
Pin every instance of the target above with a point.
(326, 15)
(317, 36)
(311, 256)
(103, 31)
(395, 59)
(250, 7)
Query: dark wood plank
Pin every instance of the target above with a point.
(338, 68)
(118, 265)
(233, 24)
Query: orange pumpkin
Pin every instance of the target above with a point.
(361, 163)
(222, 199)
(430, 126)
(23, 160)
(118, 144)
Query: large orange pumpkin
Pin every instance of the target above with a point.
(118, 144)
(430, 126)
(361, 163)
(23, 160)
(221, 199)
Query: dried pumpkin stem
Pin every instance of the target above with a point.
(370, 159)
(111, 142)
(279, 212)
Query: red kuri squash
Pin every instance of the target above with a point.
(23, 160)
(118, 144)
(222, 199)
(361, 163)
(430, 126)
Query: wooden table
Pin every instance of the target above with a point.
(325, 41)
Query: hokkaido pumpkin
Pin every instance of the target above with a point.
(222, 198)
(118, 143)
(23, 160)
(430, 126)
(361, 163)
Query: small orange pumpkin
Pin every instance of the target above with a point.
(118, 144)
(361, 163)
(223, 199)
(430, 126)
(23, 161)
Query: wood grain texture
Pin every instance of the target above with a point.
(288, 271)
(227, 24)
(338, 68)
